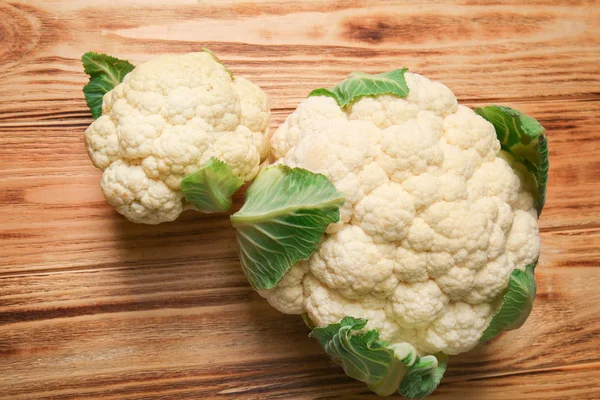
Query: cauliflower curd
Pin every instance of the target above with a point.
(436, 216)
(167, 118)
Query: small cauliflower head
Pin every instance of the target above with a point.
(436, 216)
(164, 121)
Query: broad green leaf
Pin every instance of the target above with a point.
(204, 49)
(382, 366)
(364, 357)
(524, 138)
(105, 73)
(359, 84)
(210, 188)
(517, 303)
(424, 376)
(283, 218)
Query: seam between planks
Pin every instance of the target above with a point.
(576, 229)
(531, 371)
(110, 267)
(80, 117)
(334, 370)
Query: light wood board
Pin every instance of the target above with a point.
(94, 307)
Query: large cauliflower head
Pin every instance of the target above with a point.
(165, 120)
(436, 217)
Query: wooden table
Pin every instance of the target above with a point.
(92, 306)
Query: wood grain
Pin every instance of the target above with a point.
(482, 51)
(68, 191)
(92, 306)
(168, 323)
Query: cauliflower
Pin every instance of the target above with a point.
(422, 177)
(438, 216)
(178, 132)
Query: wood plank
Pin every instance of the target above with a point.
(92, 306)
(562, 383)
(48, 178)
(194, 327)
(482, 51)
(105, 240)
(563, 313)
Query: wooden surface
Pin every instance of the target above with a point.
(92, 306)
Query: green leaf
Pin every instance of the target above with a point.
(210, 188)
(204, 49)
(105, 73)
(285, 214)
(524, 138)
(424, 376)
(364, 357)
(359, 84)
(384, 367)
(517, 303)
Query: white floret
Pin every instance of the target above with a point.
(490, 281)
(351, 187)
(305, 119)
(457, 329)
(416, 304)
(420, 235)
(455, 160)
(166, 119)
(409, 149)
(287, 297)
(371, 176)
(102, 142)
(523, 242)
(325, 306)
(136, 133)
(139, 198)
(458, 226)
(439, 263)
(384, 111)
(429, 95)
(525, 199)
(473, 134)
(457, 282)
(427, 101)
(236, 150)
(255, 112)
(386, 213)
(497, 244)
(499, 180)
(453, 187)
(424, 189)
(178, 152)
(505, 215)
(168, 72)
(352, 262)
(336, 148)
(409, 265)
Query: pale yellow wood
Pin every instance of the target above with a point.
(483, 51)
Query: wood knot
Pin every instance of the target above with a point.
(372, 29)
(20, 32)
